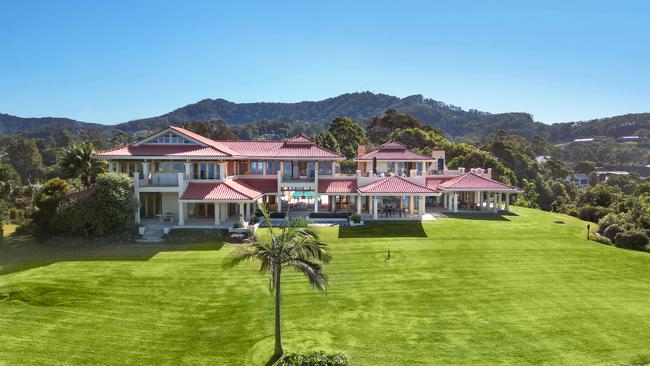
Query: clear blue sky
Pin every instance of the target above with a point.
(114, 61)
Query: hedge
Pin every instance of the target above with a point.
(319, 358)
(631, 239)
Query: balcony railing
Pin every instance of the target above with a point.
(160, 180)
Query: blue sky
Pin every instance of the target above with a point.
(113, 61)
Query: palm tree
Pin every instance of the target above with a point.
(296, 248)
(77, 162)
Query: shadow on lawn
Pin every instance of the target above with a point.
(481, 216)
(19, 252)
(393, 229)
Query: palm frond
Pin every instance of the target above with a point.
(313, 271)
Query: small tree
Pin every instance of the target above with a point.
(299, 249)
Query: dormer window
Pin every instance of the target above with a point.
(170, 138)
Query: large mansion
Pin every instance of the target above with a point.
(197, 181)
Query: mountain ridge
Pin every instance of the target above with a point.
(361, 106)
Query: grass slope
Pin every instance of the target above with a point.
(481, 290)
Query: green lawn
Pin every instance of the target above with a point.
(519, 290)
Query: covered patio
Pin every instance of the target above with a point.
(475, 193)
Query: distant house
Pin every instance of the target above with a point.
(580, 180)
(199, 182)
(603, 175)
(541, 159)
(584, 140)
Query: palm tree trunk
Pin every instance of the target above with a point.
(278, 335)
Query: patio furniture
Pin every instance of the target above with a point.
(166, 217)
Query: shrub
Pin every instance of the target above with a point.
(356, 218)
(319, 358)
(53, 193)
(631, 239)
(329, 215)
(592, 213)
(611, 231)
(106, 210)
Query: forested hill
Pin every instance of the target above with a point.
(454, 121)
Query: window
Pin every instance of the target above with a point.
(257, 167)
(170, 167)
(272, 167)
(391, 166)
(419, 168)
(170, 138)
(243, 167)
(325, 167)
(441, 164)
(287, 169)
(400, 167)
(205, 170)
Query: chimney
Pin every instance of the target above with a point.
(461, 170)
(361, 150)
(489, 173)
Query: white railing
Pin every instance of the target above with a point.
(160, 180)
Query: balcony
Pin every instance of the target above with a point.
(160, 180)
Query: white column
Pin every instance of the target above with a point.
(455, 202)
(217, 214)
(478, 198)
(264, 167)
(241, 212)
(316, 202)
(223, 211)
(374, 207)
(444, 200)
(370, 198)
(411, 205)
(487, 201)
(181, 214)
(494, 204)
(188, 170)
(508, 202)
(223, 170)
(136, 193)
(498, 201)
(422, 206)
(333, 203)
(145, 173)
(359, 205)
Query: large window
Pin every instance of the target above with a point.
(400, 167)
(325, 168)
(391, 167)
(205, 170)
(419, 168)
(257, 167)
(272, 167)
(169, 167)
(170, 138)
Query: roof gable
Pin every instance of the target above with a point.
(392, 145)
(299, 140)
(395, 184)
(473, 181)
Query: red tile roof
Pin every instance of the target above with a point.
(298, 140)
(473, 181)
(392, 144)
(260, 184)
(434, 182)
(395, 184)
(280, 150)
(337, 185)
(222, 191)
(163, 150)
(204, 140)
(393, 150)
